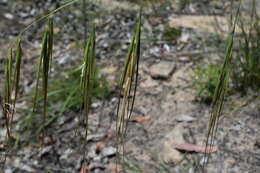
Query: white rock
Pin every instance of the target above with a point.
(184, 118)
(9, 16)
(109, 151)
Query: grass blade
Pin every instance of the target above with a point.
(128, 80)
(16, 76)
(219, 94)
(88, 75)
(7, 105)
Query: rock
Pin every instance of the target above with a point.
(96, 104)
(8, 170)
(95, 137)
(184, 59)
(149, 82)
(184, 38)
(182, 77)
(9, 16)
(200, 23)
(66, 154)
(162, 70)
(203, 160)
(108, 152)
(22, 166)
(27, 168)
(169, 154)
(184, 118)
(45, 150)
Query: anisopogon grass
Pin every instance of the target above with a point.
(128, 85)
(128, 82)
(88, 76)
(248, 60)
(220, 91)
(44, 69)
(12, 78)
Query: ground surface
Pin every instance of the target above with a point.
(165, 95)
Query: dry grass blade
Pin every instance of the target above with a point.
(219, 94)
(128, 85)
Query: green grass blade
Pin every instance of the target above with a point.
(46, 62)
(88, 75)
(220, 90)
(17, 70)
(7, 105)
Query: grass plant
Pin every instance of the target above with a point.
(44, 69)
(220, 91)
(248, 61)
(128, 81)
(206, 80)
(128, 85)
(88, 75)
(11, 86)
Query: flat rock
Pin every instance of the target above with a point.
(169, 154)
(108, 152)
(162, 70)
(200, 23)
(184, 118)
(149, 82)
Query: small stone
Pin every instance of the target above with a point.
(108, 152)
(9, 170)
(231, 161)
(184, 38)
(203, 161)
(46, 150)
(9, 16)
(96, 104)
(27, 168)
(184, 118)
(162, 70)
(95, 137)
(184, 58)
(149, 82)
(66, 154)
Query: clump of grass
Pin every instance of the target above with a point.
(205, 82)
(88, 75)
(171, 34)
(247, 73)
(128, 85)
(67, 90)
(220, 91)
(12, 79)
(44, 69)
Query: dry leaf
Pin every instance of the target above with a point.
(196, 148)
(141, 118)
(100, 146)
(85, 169)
